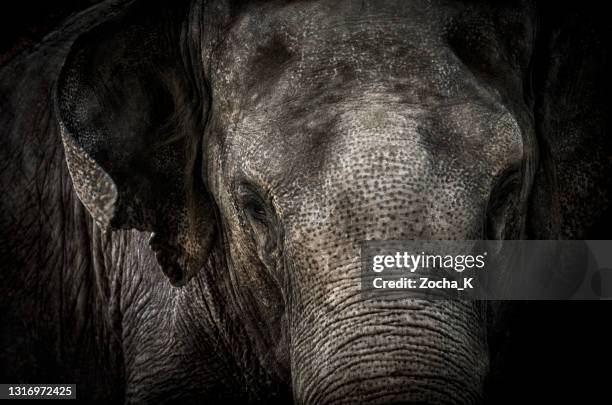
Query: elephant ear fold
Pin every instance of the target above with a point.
(130, 118)
(572, 194)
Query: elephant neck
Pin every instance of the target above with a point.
(52, 265)
(100, 312)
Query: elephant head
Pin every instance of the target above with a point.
(261, 143)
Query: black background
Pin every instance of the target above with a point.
(25, 22)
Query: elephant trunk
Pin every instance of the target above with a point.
(387, 183)
(347, 348)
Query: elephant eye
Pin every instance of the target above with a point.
(501, 210)
(253, 205)
(255, 209)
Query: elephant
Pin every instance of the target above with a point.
(186, 185)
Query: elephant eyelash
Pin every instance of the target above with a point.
(255, 208)
(253, 204)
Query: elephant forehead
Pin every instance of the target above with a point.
(474, 140)
(286, 51)
(296, 76)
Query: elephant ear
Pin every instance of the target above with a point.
(130, 116)
(572, 192)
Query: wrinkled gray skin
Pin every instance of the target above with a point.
(261, 144)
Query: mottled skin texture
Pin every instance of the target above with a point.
(261, 143)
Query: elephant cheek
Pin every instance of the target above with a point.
(353, 350)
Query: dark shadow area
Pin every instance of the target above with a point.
(25, 23)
